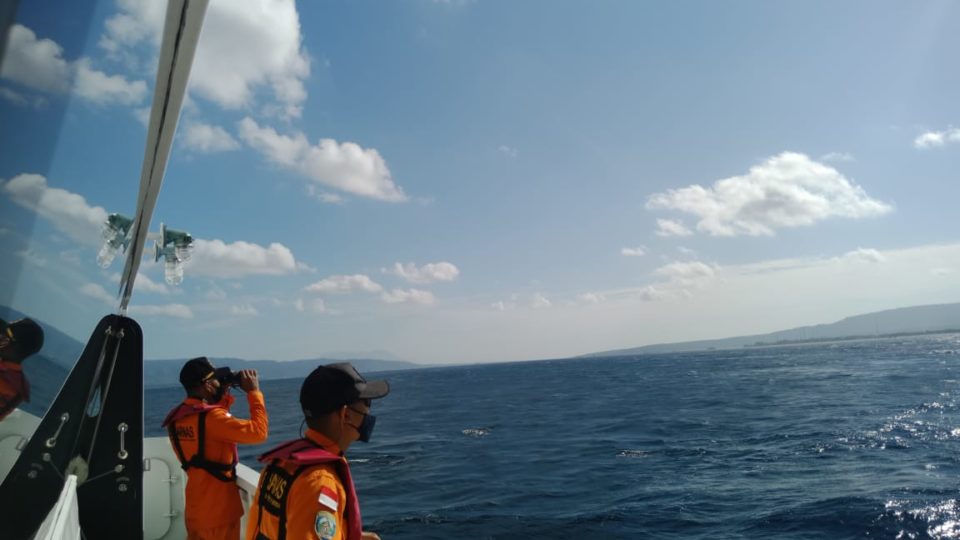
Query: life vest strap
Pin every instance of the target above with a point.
(199, 460)
(274, 495)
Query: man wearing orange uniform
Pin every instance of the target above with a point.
(204, 435)
(18, 340)
(306, 491)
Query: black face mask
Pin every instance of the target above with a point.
(365, 429)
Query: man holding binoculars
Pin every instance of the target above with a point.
(204, 435)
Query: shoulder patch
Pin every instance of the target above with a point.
(328, 498)
(325, 525)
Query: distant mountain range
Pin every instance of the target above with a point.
(908, 320)
(61, 351)
(167, 372)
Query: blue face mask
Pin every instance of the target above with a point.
(365, 429)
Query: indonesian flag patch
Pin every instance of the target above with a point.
(328, 498)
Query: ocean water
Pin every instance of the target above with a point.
(850, 440)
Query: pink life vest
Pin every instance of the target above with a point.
(21, 389)
(225, 472)
(304, 453)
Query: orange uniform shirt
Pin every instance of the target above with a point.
(212, 503)
(10, 395)
(316, 502)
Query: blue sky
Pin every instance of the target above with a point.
(473, 181)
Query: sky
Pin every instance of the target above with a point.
(461, 181)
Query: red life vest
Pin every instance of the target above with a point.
(225, 472)
(304, 453)
(20, 386)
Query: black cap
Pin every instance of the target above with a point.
(330, 387)
(26, 337)
(195, 371)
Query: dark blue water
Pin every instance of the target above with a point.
(857, 440)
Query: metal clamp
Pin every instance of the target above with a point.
(52, 441)
(122, 428)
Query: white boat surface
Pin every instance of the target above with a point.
(164, 485)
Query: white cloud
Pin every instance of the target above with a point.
(215, 258)
(669, 227)
(837, 157)
(98, 292)
(653, 293)
(330, 198)
(345, 166)
(13, 97)
(324, 196)
(694, 273)
(865, 254)
(71, 256)
(315, 305)
(540, 301)
(304, 267)
(147, 285)
(507, 151)
(243, 310)
(787, 190)
(21, 100)
(215, 294)
(932, 139)
(100, 88)
(144, 284)
(590, 298)
(679, 280)
(142, 114)
(673, 281)
(32, 256)
(500, 305)
(35, 63)
(341, 284)
(230, 70)
(68, 212)
(739, 300)
(137, 21)
(638, 251)
(428, 273)
(207, 138)
(409, 296)
(178, 311)
(685, 250)
(39, 64)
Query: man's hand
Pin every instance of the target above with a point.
(367, 535)
(248, 380)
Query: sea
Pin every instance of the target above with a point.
(856, 439)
